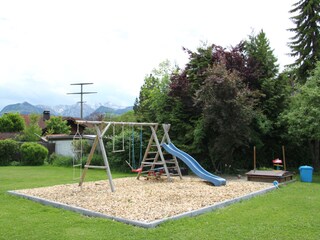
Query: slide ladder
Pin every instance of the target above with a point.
(154, 160)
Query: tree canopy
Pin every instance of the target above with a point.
(11, 122)
(56, 125)
(303, 114)
(305, 44)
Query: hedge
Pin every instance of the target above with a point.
(9, 151)
(33, 154)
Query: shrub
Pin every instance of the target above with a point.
(97, 160)
(33, 154)
(60, 160)
(9, 150)
(86, 147)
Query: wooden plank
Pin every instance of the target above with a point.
(97, 167)
(152, 163)
(268, 173)
(269, 176)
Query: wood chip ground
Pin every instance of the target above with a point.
(146, 200)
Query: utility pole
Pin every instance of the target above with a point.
(81, 95)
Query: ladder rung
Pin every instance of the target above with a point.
(152, 152)
(152, 163)
(170, 161)
(174, 174)
(98, 167)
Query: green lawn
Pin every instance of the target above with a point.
(292, 212)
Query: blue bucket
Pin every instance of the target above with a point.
(306, 173)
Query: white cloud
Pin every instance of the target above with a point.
(46, 45)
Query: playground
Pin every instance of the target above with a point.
(292, 210)
(155, 194)
(146, 200)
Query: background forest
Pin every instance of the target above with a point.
(227, 100)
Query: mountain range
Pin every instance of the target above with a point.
(89, 112)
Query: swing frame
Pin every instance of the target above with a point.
(102, 127)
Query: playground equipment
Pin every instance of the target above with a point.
(194, 165)
(132, 163)
(277, 164)
(153, 157)
(154, 163)
(270, 176)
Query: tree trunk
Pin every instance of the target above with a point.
(315, 153)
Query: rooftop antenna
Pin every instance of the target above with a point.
(81, 95)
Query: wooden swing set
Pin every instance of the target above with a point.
(152, 160)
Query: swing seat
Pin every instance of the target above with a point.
(139, 170)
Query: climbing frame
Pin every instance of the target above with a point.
(154, 159)
(158, 160)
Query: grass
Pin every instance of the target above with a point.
(292, 212)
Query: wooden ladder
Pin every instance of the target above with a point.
(154, 159)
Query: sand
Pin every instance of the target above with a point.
(146, 200)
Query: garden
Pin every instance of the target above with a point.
(291, 212)
(223, 104)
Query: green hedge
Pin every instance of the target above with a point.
(9, 152)
(59, 160)
(33, 154)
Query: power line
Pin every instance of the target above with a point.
(81, 93)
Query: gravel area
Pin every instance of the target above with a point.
(146, 200)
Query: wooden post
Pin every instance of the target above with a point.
(95, 143)
(254, 159)
(284, 159)
(155, 138)
(104, 154)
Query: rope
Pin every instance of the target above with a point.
(140, 158)
(114, 140)
(132, 152)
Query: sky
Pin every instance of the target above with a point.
(46, 45)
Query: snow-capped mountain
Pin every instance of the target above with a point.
(66, 110)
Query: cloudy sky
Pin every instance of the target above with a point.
(45, 45)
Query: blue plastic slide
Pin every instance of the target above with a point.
(195, 167)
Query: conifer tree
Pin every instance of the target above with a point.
(305, 44)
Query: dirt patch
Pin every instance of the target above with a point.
(145, 200)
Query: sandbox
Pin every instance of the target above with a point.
(145, 203)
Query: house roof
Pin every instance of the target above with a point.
(52, 137)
